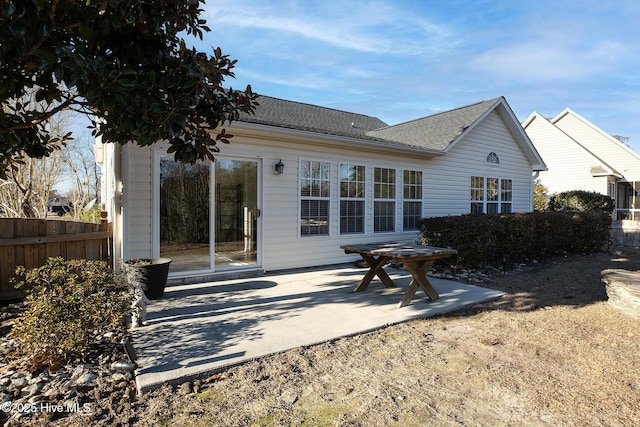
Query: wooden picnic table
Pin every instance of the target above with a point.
(417, 259)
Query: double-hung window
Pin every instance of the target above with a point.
(315, 192)
(352, 198)
(477, 194)
(491, 195)
(384, 200)
(506, 194)
(412, 199)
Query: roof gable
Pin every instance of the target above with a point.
(432, 135)
(617, 158)
(598, 167)
(594, 131)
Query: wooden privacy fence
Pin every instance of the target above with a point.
(29, 242)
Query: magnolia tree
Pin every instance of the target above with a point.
(125, 62)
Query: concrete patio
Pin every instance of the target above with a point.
(198, 329)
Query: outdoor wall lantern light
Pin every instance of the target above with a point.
(279, 167)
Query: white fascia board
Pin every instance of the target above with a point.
(520, 136)
(604, 134)
(610, 171)
(537, 163)
(296, 135)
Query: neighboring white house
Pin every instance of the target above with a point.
(344, 178)
(580, 156)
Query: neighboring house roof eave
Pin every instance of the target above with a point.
(531, 118)
(278, 133)
(608, 170)
(596, 128)
(614, 174)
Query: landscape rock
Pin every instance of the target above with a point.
(623, 290)
(35, 397)
(87, 378)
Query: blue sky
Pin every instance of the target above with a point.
(401, 60)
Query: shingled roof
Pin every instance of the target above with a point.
(312, 118)
(434, 132)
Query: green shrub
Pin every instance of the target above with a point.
(71, 305)
(473, 236)
(483, 240)
(540, 197)
(93, 214)
(578, 200)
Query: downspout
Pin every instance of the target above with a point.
(117, 206)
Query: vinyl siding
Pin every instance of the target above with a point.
(446, 182)
(569, 164)
(285, 248)
(138, 202)
(107, 179)
(448, 178)
(617, 155)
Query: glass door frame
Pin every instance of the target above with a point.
(258, 228)
(155, 216)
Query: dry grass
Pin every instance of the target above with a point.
(551, 352)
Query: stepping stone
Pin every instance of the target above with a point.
(623, 290)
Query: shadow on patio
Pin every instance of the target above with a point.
(198, 329)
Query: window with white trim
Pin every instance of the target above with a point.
(315, 192)
(506, 195)
(493, 158)
(491, 195)
(412, 199)
(352, 198)
(384, 200)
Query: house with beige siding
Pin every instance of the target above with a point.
(299, 180)
(580, 156)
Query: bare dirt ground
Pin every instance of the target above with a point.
(550, 352)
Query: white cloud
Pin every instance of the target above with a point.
(379, 28)
(307, 80)
(551, 60)
(402, 59)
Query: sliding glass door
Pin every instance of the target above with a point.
(208, 214)
(184, 214)
(236, 213)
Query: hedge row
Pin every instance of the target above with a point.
(483, 240)
(580, 200)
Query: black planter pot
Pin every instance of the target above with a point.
(151, 273)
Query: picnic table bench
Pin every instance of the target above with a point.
(417, 259)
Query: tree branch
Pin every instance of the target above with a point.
(46, 115)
